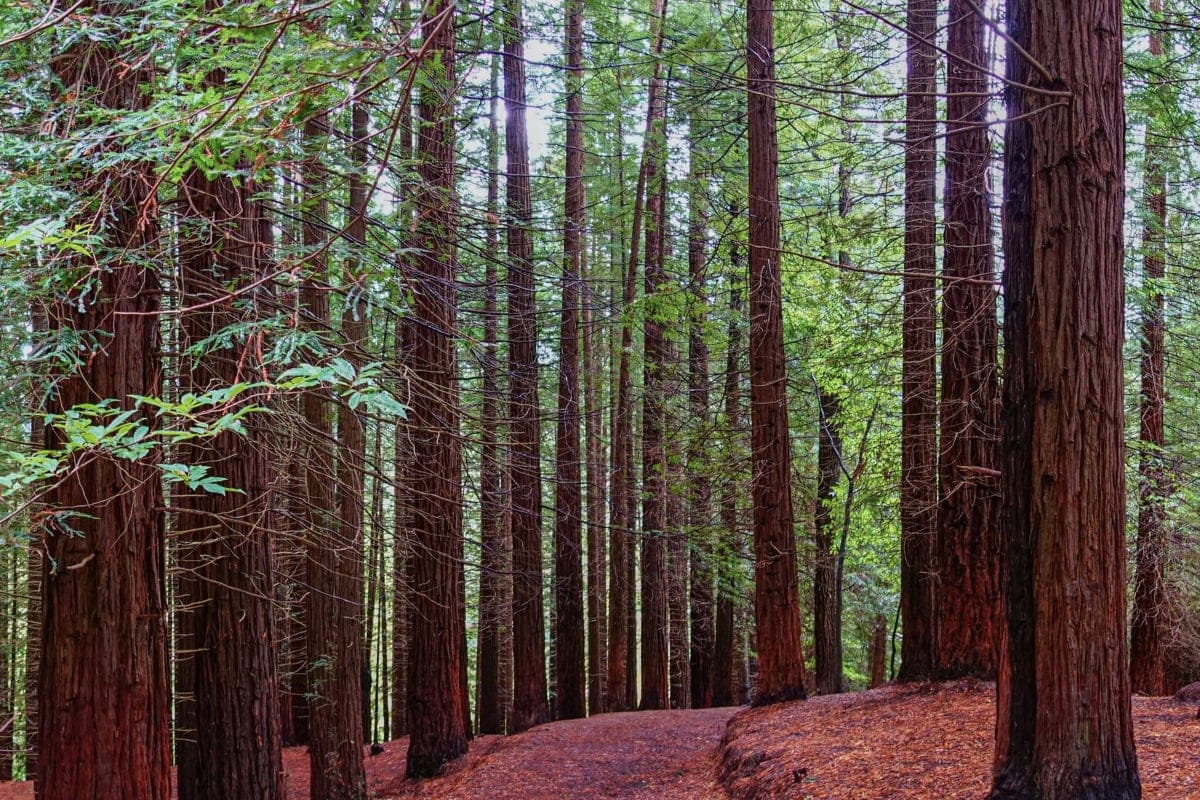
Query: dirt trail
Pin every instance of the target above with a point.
(647, 755)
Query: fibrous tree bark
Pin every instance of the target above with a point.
(725, 628)
(225, 538)
(436, 702)
(967, 593)
(335, 569)
(918, 446)
(776, 587)
(569, 678)
(530, 706)
(699, 492)
(103, 694)
(1151, 666)
(827, 623)
(654, 673)
(1064, 725)
(492, 573)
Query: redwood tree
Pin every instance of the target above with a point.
(1064, 726)
(1152, 670)
(776, 588)
(568, 498)
(226, 544)
(436, 702)
(103, 693)
(968, 543)
(654, 646)
(530, 706)
(918, 436)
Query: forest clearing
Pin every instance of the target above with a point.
(495, 398)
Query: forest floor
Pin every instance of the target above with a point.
(917, 742)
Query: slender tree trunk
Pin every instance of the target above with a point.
(699, 492)
(878, 653)
(568, 499)
(725, 629)
(967, 594)
(677, 551)
(103, 694)
(492, 612)
(530, 706)
(1064, 726)
(918, 479)
(1151, 669)
(776, 588)
(655, 621)
(827, 623)
(597, 557)
(435, 694)
(622, 608)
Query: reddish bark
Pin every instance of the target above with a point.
(699, 494)
(918, 479)
(1064, 725)
(654, 672)
(103, 694)
(827, 616)
(776, 588)
(569, 676)
(597, 563)
(436, 702)
(968, 543)
(530, 706)
(492, 611)
(1151, 669)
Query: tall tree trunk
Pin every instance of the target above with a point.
(225, 538)
(654, 652)
(403, 465)
(530, 706)
(699, 492)
(968, 541)
(1151, 669)
(827, 623)
(878, 653)
(1064, 725)
(492, 612)
(568, 500)
(597, 557)
(436, 700)
(918, 478)
(776, 584)
(335, 605)
(622, 608)
(103, 694)
(725, 629)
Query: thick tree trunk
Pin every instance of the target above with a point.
(225, 538)
(776, 586)
(569, 675)
(827, 623)
(530, 706)
(335, 607)
(492, 613)
(1064, 725)
(103, 694)
(968, 541)
(436, 702)
(918, 479)
(1151, 669)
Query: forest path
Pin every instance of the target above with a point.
(640, 755)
